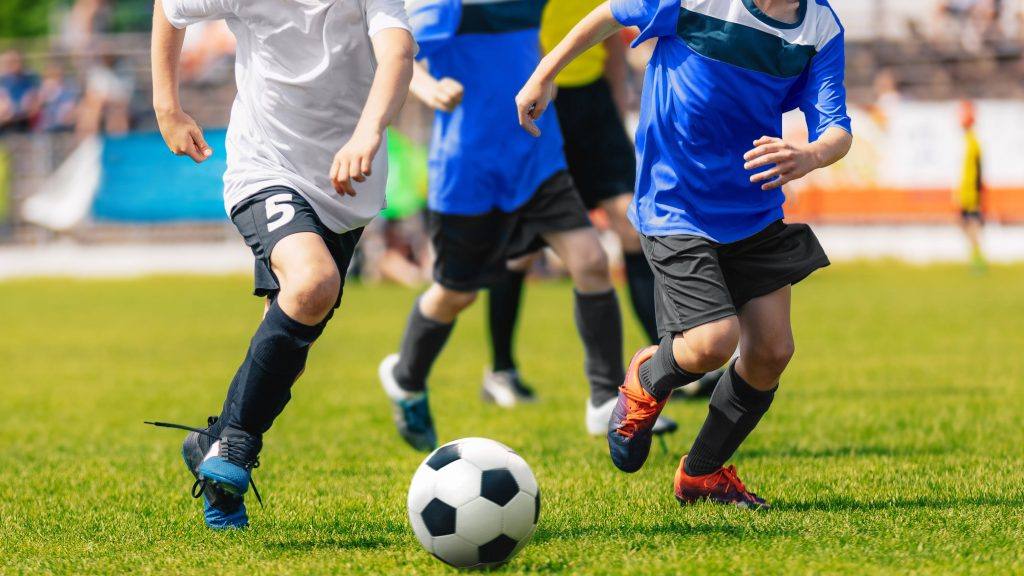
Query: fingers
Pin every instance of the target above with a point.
(199, 150)
(772, 158)
(766, 175)
(777, 183)
(527, 116)
(762, 149)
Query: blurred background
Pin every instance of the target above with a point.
(87, 187)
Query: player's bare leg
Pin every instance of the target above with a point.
(639, 277)
(404, 375)
(741, 398)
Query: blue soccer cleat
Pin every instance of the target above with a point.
(410, 410)
(223, 509)
(229, 462)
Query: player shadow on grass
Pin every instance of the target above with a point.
(848, 504)
(849, 451)
(678, 528)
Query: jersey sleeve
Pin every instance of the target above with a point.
(383, 14)
(823, 98)
(654, 18)
(433, 22)
(182, 13)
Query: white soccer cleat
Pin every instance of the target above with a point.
(597, 420)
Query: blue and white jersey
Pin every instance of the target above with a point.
(480, 159)
(721, 76)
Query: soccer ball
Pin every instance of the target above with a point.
(474, 503)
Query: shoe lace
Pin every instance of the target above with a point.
(642, 411)
(233, 445)
(729, 477)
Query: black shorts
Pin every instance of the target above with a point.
(472, 252)
(600, 155)
(971, 215)
(270, 215)
(699, 281)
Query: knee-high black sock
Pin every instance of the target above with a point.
(736, 408)
(661, 374)
(262, 386)
(502, 315)
(599, 323)
(641, 292)
(421, 345)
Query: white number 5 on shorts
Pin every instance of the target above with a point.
(278, 204)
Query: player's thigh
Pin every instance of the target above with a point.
(766, 332)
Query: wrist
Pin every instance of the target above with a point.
(165, 109)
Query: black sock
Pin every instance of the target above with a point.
(641, 292)
(502, 313)
(661, 374)
(262, 385)
(421, 345)
(599, 323)
(735, 409)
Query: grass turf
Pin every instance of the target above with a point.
(895, 444)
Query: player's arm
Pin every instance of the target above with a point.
(181, 133)
(793, 160)
(393, 49)
(823, 102)
(444, 94)
(536, 94)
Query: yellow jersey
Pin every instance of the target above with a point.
(970, 179)
(559, 18)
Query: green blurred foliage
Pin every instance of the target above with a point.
(30, 18)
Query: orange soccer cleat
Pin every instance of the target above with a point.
(722, 486)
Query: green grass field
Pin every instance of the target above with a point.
(895, 445)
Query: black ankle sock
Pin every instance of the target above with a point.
(599, 323)
(641, 292)
(735, 409)
(502, 313)
(421, 345)
(262, 386)
(661, 374)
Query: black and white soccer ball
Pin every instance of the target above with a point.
(474, 503)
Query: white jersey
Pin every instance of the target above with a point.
(303, 70)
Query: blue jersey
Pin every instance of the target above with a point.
(721, 76)
(480, 159)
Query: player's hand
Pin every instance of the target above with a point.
(788, 161)
(446, 95)
(183, 136)
(354, 161)
(532, 101)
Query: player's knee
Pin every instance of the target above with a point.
(454, 301)
(314, 292)
(589, 268)
(710, 346)
(774, 355)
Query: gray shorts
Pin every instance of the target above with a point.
(270, 215)
(698, 281)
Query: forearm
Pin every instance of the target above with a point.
(394, 52)
(423, 83)
(831, 147)
(594, 28)
(615, 71)
(165, 55)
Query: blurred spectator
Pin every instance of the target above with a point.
(972, 23)
(58, 101)
(207, 53)
(968, 194)
(84, 21)
(19, 92)
(106, 105)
